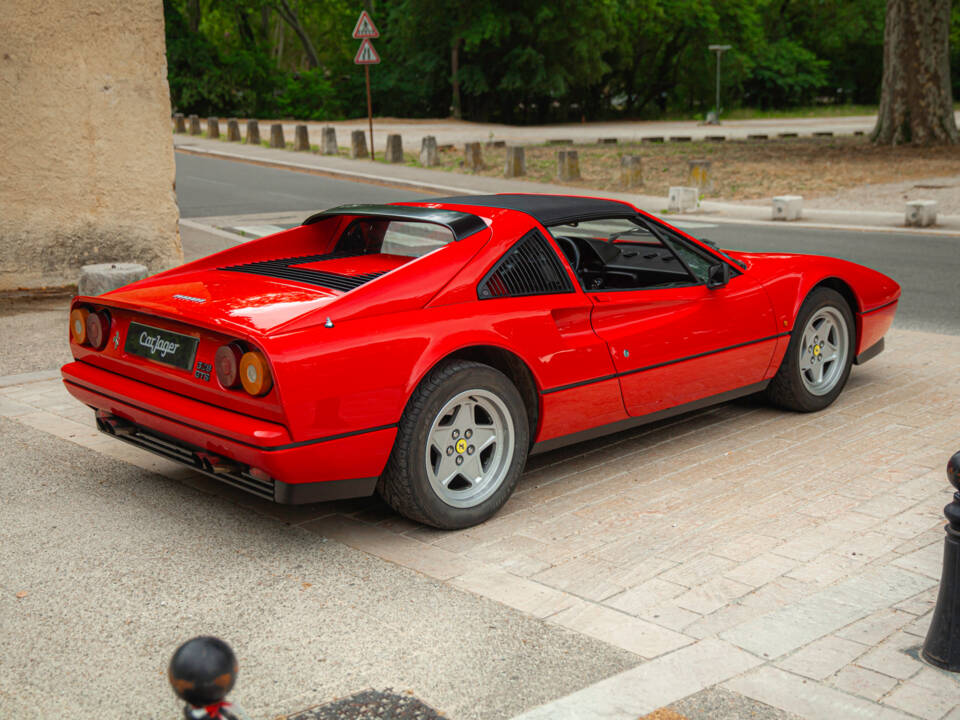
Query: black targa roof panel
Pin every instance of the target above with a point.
(461, 224)
(547, 209)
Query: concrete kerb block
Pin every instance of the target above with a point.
(328, 141)
(699, 175)
(253, 132)
(233, 130)
(276, 136)
(921, 213)
(394, 150)
(194, 123)
(301, 139)
(358, 145)
(429, 157)
(568, 165)
(104, 277)
(683, 199)
(179, 123)
(516, 162)
(472, 156)
(631, 171)
(213, 128)
(787, 207)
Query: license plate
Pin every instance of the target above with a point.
(161, 346)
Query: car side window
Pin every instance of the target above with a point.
(698, 263)
(620, 254)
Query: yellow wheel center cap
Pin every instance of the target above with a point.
(461, 445)
(816, 349)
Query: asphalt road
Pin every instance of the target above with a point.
(926, 266)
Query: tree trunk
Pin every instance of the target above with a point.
(916, 103)
(193, 15)
(455, 76)
(290, 16)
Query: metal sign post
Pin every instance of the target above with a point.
(367, 56)
(719, 50)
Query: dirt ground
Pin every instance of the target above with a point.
(740, 169)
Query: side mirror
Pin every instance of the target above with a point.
(718, 275)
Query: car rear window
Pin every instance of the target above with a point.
(393, 237)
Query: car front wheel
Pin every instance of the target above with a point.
(817, 362)
(461, 446)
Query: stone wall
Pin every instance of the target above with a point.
(86, 157)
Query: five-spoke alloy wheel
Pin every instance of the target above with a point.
(461, 446)
(817, 362)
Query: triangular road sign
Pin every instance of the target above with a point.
(365, 27)
(366, 55)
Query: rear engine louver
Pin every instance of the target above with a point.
(283, 269)
(530, 267)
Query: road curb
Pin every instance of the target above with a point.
(330, 172)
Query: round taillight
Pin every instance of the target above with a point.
(98, 327)
(255, 374)
(78, 325)
(227, 364)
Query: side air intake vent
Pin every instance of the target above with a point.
(530, 267)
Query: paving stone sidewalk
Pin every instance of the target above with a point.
(792, 559)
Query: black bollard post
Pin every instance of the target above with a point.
(942, 646)
(202, 671)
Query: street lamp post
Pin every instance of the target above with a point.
(719, 50)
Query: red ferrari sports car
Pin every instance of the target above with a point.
(423, 350)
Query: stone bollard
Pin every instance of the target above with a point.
(358, 144)
(233, 130)
(787, 207)
(202, 672)
(394, 149)
(568, 165)
(301, 139)
(428, 152)
(194, 125)
(103, 277)
(276, 136)
(516, 163)
(921, 213)
(328, 141)
(213, 128)
(631, 171)
(179, 125)
(942, 645)
(699, 176)
(253, 132)
(472, 156)
(682, 199)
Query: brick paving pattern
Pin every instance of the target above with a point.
(791, 559)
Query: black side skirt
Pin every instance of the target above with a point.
(632, 422)
(870, 353)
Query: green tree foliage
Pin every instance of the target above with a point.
(523, 60)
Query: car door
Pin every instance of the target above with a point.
(672, 346)
(672, 339)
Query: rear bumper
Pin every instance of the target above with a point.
(249, 453)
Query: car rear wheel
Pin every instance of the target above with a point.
(817, 362)
(460, 448)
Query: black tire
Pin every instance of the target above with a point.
(787, 389)
(405, 484)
